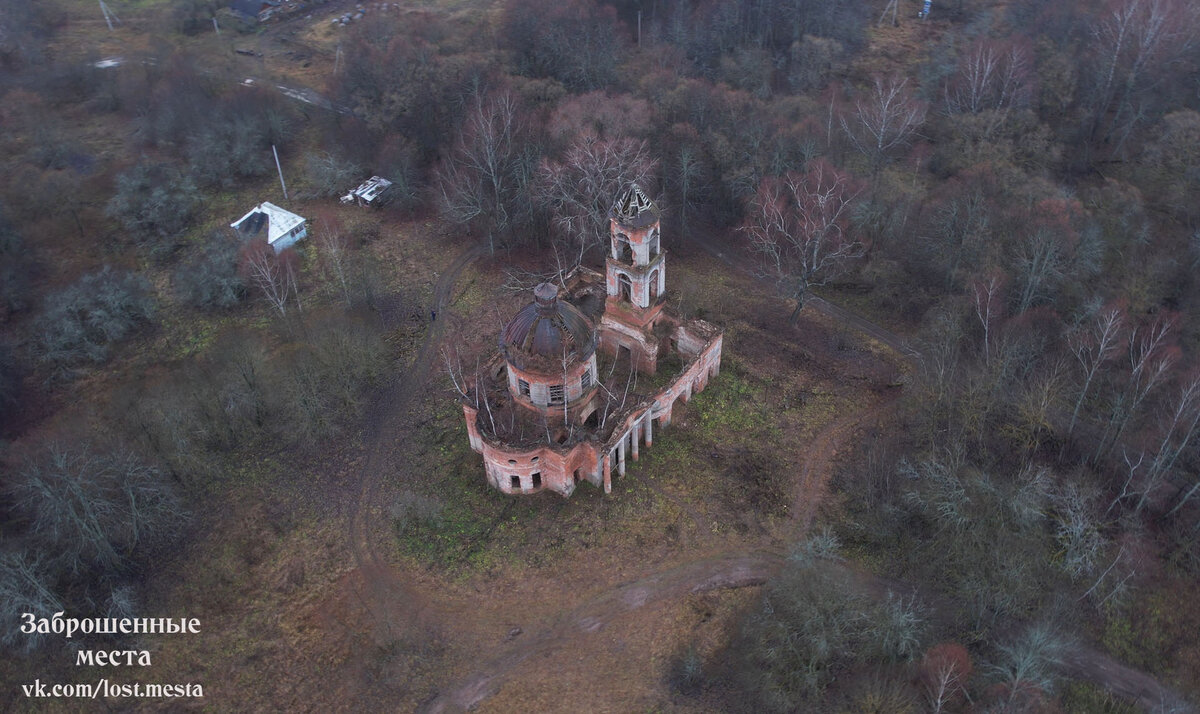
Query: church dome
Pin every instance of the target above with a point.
(545, 330)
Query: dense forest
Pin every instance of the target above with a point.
(1006, 187)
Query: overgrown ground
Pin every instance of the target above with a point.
(292, 621)
(287, 618)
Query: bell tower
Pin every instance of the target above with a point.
(636, 280)
(636, 265)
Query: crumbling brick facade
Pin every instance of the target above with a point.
(541, 415)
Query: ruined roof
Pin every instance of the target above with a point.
(546, 330)
(368, 190)
(634, 208)
(276, 220)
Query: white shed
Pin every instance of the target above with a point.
(280, 227)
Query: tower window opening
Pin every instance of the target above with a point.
(537, 480)
(516, 481)
(624, 250)
(523, 387)
(586, 380)
(556, 394)
(626, 288)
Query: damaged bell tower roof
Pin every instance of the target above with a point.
(634, 208)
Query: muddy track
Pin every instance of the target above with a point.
(733, 570)
(393, 601)
(818, 463)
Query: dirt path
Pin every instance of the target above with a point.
(818, 463)
(393, 601)
(732, 570)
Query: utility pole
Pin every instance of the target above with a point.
(639, 27)
(337, 58)
(216, 26)
(109, 15)
(280, 170)
(892, 5)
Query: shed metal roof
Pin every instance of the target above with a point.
(277, 221)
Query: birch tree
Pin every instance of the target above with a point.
(884, 120)
(1094, 345)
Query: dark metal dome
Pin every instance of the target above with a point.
(545, 331)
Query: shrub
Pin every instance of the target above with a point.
(14, 267)
(154, 201)
(80, 322)
(329, 175)
(211, 279)
(812, 623)
(91, 512)
(24, 587)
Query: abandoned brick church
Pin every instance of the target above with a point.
(588, 370)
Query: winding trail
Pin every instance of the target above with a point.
(393, 601)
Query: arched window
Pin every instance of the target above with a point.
(624, 288)
(624, 251)
(655, 249)
(653, 286)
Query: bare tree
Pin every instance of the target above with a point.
(688, 179)
(798, 225)
(334, 247)
(579, 189)
(1181, 426)
(487, 176)
(1094, 345)
(991, 76)
(1151, 358)
(92, 511)
(1045, 256)
(24, 587)
(273, 275)
(1027, 667)
(987, 298)
(943, 672)
(884, 120)
(1134, 40)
